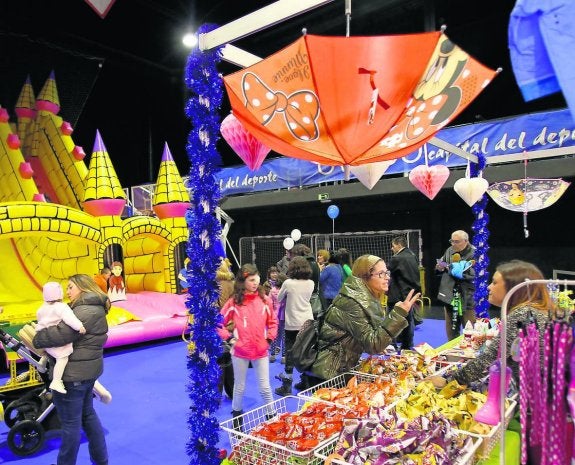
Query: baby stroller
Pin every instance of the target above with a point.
(28, 411)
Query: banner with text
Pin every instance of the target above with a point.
(538, 131)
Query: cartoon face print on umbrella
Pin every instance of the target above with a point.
(450, 82)
(527, 195)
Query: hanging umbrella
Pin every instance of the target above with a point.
(355, 100)
(528, 194)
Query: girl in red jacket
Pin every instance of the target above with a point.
(250, 324)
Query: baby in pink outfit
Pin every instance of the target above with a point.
(52, 312)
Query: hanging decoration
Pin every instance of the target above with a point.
(248, 148)
(375, 110)
(370, 173)
(480, 240)
(471, 189)
(333, 213)
(204, 346)
(527, 194)
(429, 179)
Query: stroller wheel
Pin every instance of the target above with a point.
(26, 437)
(20, 410)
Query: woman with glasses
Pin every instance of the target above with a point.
(355, 323)
(457, 283)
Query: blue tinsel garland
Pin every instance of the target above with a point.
(204, 232)
(480, 241)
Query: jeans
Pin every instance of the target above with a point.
(290, 336)
(405, 338)
(76, 412)
(262, 368)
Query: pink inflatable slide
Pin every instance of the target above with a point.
(158, 316)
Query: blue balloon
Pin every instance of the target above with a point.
(333, 211)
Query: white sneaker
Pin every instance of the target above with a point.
(58, 385)
(105, 397)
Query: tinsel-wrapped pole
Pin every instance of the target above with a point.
(480, 241)
(204, 232)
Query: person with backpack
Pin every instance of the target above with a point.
(355, 323)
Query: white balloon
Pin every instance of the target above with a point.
(288, 243)
(296, 235)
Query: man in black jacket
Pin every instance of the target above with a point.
(457, 284)
(404, 269)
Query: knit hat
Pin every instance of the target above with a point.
(52, 291)
(363, 266)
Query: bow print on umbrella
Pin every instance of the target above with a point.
(355, 100)
(300, 110)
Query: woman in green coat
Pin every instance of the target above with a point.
(355, 323)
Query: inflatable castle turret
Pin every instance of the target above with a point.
(171, 198)
(103, 194)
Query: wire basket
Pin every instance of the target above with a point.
(248, 449)
(468, 455)
(492, 438)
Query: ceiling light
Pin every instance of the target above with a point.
(190, 40)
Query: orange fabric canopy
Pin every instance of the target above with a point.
(355, 100)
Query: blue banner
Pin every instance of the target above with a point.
(539, 131)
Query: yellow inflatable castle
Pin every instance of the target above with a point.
(59, 217)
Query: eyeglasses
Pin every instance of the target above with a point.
(382, 274)
(456, 241)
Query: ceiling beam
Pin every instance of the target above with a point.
(258, 20)
(238, 56)
(453, 149)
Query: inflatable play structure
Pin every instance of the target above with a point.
(59, 217)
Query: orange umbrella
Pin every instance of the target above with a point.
(355, 100)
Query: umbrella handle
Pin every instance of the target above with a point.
(525, 230)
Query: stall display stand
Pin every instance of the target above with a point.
(503, 346)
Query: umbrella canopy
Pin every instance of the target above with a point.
(528, 194)
(355, 100)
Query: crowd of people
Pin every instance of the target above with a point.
(261, 319)
(330, 286)
(366, 305)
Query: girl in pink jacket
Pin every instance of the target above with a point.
(250, 325)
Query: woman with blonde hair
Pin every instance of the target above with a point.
(86, 363)
(355, 322)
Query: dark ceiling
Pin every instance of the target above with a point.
(123, 74)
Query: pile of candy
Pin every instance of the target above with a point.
(411, 366)
(391, 440)
(304, 430)
(359, 396)
(454, 401)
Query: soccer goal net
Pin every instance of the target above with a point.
(266, 251)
